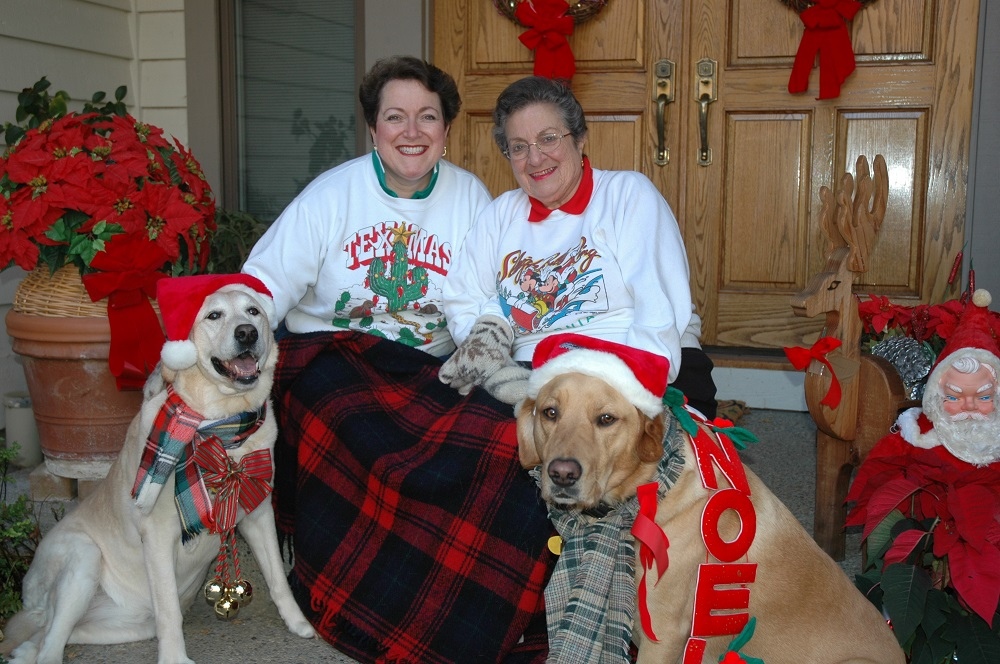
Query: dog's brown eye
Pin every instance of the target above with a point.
(214, 315)
(606, 419)
(549, 413)
(253, 311)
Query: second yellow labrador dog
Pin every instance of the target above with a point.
(593, 431)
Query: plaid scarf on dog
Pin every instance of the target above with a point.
(170, 446)
(591, 598)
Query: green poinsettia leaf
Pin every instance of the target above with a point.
(905, 590)
(977, 643)
(870, 585)
(880, 538)
(937, 612)
(934, 649)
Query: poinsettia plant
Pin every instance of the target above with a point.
(931, 522)
(932, 543)
(76, 185)
(110, 195)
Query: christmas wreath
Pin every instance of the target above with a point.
(826, 36)
(580, 11)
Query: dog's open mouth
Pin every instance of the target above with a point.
(243, 369)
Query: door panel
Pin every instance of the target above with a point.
(751, 218)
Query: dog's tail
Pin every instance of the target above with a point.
(22, 626)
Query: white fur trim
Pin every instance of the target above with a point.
(179, 355)
(909, 429)
(606, 366)
(265, 302)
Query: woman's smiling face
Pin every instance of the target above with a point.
(409, 135)
(552, 178)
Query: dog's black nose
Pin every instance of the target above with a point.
(564, 472)
(246, 334)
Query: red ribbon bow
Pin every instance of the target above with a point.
(245, 483)
(801, 357)
(127, 277)
(653, 545)
(549, 26)
(826, 34)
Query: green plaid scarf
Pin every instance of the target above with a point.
(176, 432)
(590, 601)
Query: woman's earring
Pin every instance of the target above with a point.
(445, 153)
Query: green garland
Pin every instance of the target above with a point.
(801, 5)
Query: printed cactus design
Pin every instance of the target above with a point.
(401, 285)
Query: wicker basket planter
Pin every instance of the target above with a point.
(63, 339)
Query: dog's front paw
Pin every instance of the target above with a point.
(301, 627)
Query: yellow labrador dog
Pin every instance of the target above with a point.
(593, 446)
(114, 571)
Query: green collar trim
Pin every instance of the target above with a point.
(380, 174)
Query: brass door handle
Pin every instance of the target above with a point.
(705, 94)
(663, 95)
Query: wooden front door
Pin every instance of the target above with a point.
(750, 212)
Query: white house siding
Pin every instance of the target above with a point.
(82, 46)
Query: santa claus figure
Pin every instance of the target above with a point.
(940, 466)
(959, 404)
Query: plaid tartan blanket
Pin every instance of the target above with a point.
(417, 535)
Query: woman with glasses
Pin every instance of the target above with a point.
(573, 249)
(417, 536)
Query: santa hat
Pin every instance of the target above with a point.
(181, 298)
(639, 375)
(972, 336)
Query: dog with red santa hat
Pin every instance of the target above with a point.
(195, 466)
(931, 488)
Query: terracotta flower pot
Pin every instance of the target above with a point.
(82, 417)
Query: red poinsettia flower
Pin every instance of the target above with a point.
(877, 313)
(78, 187)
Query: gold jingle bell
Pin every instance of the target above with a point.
(227, 608)
(214, 590)
(242, 591)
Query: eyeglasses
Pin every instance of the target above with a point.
(519, 150)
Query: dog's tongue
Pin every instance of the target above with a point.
(243, 366)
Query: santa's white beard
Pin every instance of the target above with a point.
(974, 439)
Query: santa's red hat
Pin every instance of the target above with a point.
(639, 375)
(181, 298)
(973, 334)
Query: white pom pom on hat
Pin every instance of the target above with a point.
(640, 376)
(181, 298)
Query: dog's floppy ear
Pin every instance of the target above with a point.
(526, 451)
(651, 444)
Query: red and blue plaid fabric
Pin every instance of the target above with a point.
(418, 537)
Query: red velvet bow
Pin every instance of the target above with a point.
(127, 277)
(801, 357)
(549, 26)
(653, 545)
(245, 483)
(826, 34)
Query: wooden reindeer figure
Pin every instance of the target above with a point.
(871, 390)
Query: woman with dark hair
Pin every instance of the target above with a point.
(573, 249)
(417, 536)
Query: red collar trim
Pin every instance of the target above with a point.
(577, 204)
